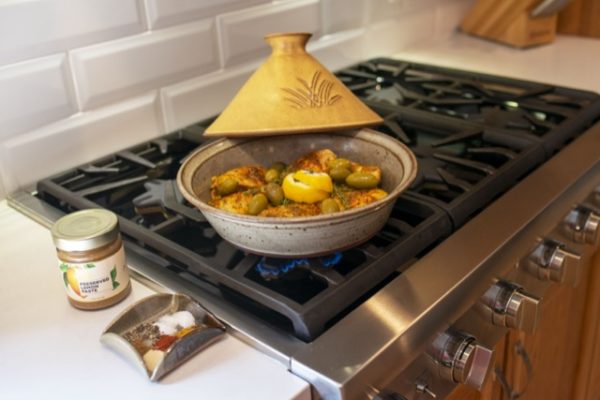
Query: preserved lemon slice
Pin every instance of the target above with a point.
(317, 180)
(307, 187)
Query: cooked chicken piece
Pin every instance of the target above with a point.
(358, 198)
(373, 170)
(233, 190)
(236, 203)
(292, 210)
(252, 177)
(317, 161)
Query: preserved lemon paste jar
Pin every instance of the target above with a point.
(91, 258)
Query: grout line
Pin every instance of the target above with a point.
(322, 22)
(162, 111)
(144, 15)
(219, 39)
(71, 82)
(7, 181)
(2, 190)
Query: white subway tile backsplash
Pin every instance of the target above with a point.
(339, 50)
(33, 28)
(191, 101)
(341, 15)
(34, 93)
(126, 67)
(242, 32)
(79, 139)
(162, 13)
(381, 10)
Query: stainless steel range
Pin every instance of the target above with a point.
(506, 203)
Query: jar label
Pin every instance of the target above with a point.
(96, 280)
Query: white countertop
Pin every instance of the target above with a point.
(49, 349)
(570, 61)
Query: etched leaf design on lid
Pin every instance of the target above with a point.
(314, 95)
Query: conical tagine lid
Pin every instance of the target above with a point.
(291, 93)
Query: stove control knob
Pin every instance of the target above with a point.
(460, 359)
(512, 307)
(581, 225)
(553, 261)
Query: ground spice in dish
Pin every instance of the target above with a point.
(152, 339)
(187, 330)
(164, 342)
(143, 337)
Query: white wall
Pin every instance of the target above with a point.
(79, 79)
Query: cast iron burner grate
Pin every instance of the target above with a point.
(461, 166)
(545, 113)
(474, 137)
(138, 184)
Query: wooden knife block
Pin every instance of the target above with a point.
(509, 22)
(581, 17)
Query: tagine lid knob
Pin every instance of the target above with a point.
(291, 93)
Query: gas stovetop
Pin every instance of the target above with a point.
(474, 137)
(356, 320)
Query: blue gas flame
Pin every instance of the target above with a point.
(332, 260)
(271, 269)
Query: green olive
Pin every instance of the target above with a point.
(329, 206)
(258, 203)
(339, 174)
(271, 175)
(361, 180)
(340, 162)
(227, 186)
(283, 174)
(278, 166)
(274, 193)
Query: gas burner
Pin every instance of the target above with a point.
(514, 118)
(389, 95)
(164, 198)
(533, 110)
(274, 268)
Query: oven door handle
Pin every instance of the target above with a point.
(506, 388)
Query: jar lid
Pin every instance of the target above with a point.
(85, 230)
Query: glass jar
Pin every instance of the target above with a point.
(91, 258)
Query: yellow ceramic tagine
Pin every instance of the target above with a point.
(291, 93)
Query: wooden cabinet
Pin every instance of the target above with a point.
(587, 379)
(553, 350)
(564, 352)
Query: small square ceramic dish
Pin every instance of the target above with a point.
(160, 332)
